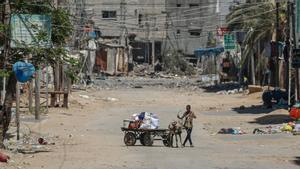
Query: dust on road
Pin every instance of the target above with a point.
(89, 136)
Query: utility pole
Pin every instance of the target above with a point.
(30, 100)
(292, 29)
(6, 45)
(18, 109)
(148, 41)
(277, 47)
(289, 54)
(288, 48)
(123, 18)
(153, 52)
(56, 68)
(152, 38)
(295, 46)
(253, 68)
(37, 94)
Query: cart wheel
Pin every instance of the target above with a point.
(147, 139)
(129, 139)
(142, 139)
(166, 143)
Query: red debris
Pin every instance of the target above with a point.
(4, 158)
(42, 141)
(295, 113)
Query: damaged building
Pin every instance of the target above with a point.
(147, 29)
(121, 20)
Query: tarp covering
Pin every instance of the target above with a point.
(208, 51)
(23, 71)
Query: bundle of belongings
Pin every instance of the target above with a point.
(234, 131)
(144, 120)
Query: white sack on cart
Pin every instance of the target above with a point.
(145, 126)
(148, 116)
(154, 123)
(135, 117)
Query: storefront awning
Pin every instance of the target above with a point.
(208, 51)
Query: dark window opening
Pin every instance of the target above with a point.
(109, 14)
(178, 32)
(178, 5)
(140, 19)
(194, 5)
(196, 32)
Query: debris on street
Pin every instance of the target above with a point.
(229, 92)
(4, 158)
(110, 99)
(234, 131)
(283, 128)
(85, 96)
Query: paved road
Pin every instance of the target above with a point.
(91, 137)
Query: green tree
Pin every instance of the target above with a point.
(61, 30)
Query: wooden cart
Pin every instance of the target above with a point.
(146, 136)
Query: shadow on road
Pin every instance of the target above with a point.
(221, 87)
(296, 161)
(272, 119)
(257, 109)
(153, 146)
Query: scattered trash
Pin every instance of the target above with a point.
(259, 131)
(138, 87)
(4, 158)
(44, 142)
(230, 92)
(297, 126)
(234, 131)
(31, 149)
(286, 127)
(84, 96)
(110, 99)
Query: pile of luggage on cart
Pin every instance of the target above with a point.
(144, 120)
(144, 127)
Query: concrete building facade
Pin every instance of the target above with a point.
(182, 25)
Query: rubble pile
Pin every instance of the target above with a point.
(174, 62)
(139, 82)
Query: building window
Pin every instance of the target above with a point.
(109, 14)
(178, 5)
(194, 5)
(140, 19)
(178, 32)
(195, 32)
